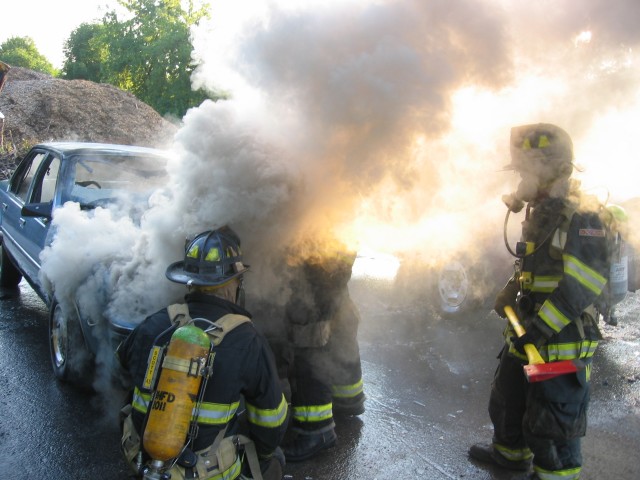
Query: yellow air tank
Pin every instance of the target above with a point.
(176, 394)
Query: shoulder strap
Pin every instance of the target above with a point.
(224, 325)
(179, 314)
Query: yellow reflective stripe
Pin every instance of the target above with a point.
(140, 401)
(513, 454)
(312, 413)
(217, 413)
(229, 474)
(273, 417)
(545, 284)
(568, 351)
(553, 317)
(348, 391)
(210, 413)
(568, 474)
(585, 275)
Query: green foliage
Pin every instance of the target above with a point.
(86, 51)
(22, 52)
(147, 53)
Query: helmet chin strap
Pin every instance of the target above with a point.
(240, 293)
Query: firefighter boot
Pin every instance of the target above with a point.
(486, 453)
(307, 443)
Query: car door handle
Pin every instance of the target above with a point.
(22, 221)
(5, 206)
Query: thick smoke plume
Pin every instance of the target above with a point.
(381, 123)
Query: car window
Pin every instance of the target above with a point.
(104, 177)
(22, 181)
(47, 179)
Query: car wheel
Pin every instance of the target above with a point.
(453, 289)
(9, 275)
(70, 358)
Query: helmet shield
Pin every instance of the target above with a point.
(211, 258)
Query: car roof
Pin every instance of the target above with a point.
(68, 148)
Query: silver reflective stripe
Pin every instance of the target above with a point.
(553, 317)
(545, 284)
(586, 276)
(273, 417)
(217, 413)
(140, 400)
(347, 391)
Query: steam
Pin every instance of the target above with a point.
(381, 123)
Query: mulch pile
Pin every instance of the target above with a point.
(39, 108)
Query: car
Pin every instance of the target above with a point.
(49, 176)
(462, 261)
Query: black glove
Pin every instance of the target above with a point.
(506, 296)
(532, 335)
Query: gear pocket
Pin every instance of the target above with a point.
(557, 408)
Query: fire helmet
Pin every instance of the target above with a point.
(542, 148)
(212, 258)
(618, 213)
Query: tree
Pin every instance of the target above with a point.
(22, 52)
(86, 51)
(150, 53)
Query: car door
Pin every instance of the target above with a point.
(26, 235)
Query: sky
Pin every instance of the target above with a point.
(49, 24)
(383, 123)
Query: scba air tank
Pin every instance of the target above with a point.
(619, 273)
(176, 394)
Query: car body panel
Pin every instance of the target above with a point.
(52, 174)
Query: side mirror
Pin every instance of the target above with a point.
(37, 210)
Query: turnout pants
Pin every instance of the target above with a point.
(327, 372)
(544, 419)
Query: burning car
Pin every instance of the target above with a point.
(49, 177)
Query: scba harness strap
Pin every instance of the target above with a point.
(225, 461)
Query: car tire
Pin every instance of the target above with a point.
(70, 358)
(10, 276)
(453, 289)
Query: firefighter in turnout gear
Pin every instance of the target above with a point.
(238, 417)
(561, 270)
(322, 326)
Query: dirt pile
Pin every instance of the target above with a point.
(40, 108)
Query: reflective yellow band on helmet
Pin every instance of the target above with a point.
(273, 417)
(585, 275)
(312, 413)
(347, 391)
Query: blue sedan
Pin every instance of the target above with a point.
(50, 175)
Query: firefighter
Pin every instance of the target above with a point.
(559, 276)
(322, 325)
(242, 373)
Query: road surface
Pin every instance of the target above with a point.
(427, 380)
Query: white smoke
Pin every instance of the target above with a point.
(369, 120)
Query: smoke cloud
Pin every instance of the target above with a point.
(381, 123)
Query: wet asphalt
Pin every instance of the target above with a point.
(426, 377)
